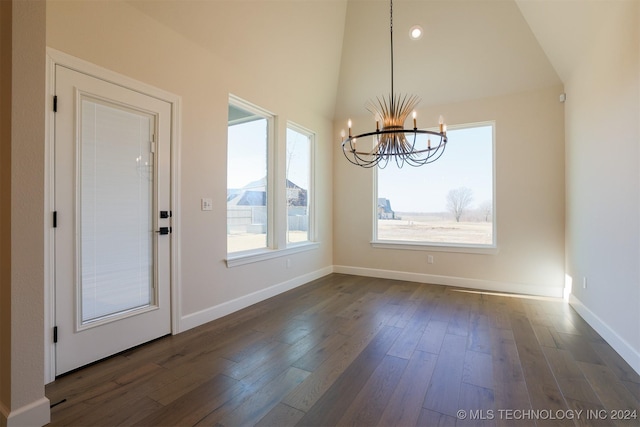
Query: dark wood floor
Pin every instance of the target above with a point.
(348, 350)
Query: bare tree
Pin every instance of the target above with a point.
(486, 209)
(458, 200)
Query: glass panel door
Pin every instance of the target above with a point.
(114, 224)
(116, 206)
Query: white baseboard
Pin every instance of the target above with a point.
(204, 316)
(619, 344)
(485, 285)
(36, 413)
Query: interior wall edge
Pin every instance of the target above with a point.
(462, 282)
(619, 344)
(31, 414)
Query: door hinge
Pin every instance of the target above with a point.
(55, 219)
(55, 334)
(55, 103)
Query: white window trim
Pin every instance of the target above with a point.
(491, 249)
(274, 236)
(272, 124)
(433, 247)
(249, 257)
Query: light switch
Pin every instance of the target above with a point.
(206, 204)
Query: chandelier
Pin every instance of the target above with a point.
(392, 142)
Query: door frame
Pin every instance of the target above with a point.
(56, 57)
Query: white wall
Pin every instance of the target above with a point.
(122, 38)
(529, 196)
(603, 181)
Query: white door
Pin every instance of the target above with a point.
(112, 199)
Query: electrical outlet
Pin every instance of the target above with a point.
(288, 263)
(584, 283)
(430, 259)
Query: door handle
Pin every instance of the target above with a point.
(164, 230)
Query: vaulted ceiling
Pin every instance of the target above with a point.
(335, 53)
(470, 50)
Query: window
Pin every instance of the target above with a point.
(447, 203)
(298, 184)
(248, 177)
(267, 217)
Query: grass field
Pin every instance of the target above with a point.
(438, 228)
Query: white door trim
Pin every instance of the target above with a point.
(55, 57)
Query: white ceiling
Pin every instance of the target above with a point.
(567, 29)
(336, 52)
(470, 49)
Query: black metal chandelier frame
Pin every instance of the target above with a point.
(393, 141)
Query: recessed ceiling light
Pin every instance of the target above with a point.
(416, 32)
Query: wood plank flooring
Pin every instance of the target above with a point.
(349, 350)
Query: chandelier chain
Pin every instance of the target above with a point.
(391, 142)
(391, 38)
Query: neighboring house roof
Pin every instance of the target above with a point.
(385, 204)
(254, 194)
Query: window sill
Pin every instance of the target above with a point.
(249, 257)
(434, 247)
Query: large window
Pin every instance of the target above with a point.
(298, 184)
(447, 203)
(267, 216)
(248, 178)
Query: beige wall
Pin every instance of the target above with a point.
(603, 242)
(603, 180)
(121, 38)
(529, 196)
(22, 339)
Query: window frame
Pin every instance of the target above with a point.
(269, 186)
(311, 234)
(444, 246)
(276, 193)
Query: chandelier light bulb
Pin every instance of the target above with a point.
(415, 126)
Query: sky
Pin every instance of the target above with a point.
(466, 162)
(247, 150)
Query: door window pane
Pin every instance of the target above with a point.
(116, 202)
